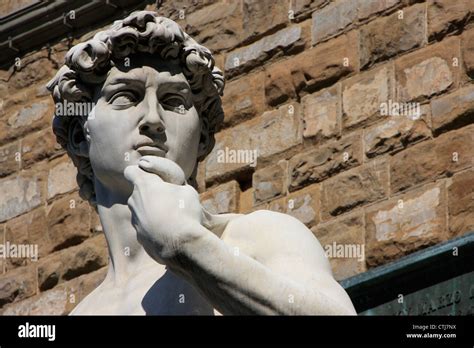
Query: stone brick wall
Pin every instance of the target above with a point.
(305, 84)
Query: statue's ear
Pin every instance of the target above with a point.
(77, 143)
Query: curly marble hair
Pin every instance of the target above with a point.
(87, 65)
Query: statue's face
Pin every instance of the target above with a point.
(145, 108)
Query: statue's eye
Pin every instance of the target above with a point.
(174, 103)
(123, 98)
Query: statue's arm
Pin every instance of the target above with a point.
(287, 273)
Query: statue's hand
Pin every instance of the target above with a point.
(165, 210)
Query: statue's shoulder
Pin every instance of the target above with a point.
(273, 231)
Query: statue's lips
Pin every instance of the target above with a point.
(150, 150)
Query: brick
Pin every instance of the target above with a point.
(270, 182)
(17, 285)
(347, 232)
(68, 221)
(467, 45)
(278, 83)
(363, 95)
(304, 205)
(405, 224)
(314, 69)
(269, 134)
(72, 262)
(263, 16)
(221, 31)
(395, 134)
(61, 177)
(243, 98)
(461, 203)
(78, 288)
(29, 228)
(10, 6)
(18, 195)
(9, 155)
(38, 146)
(453, 110)
(333, 19)
(26, 119)
(33, 70)
(430, 160)
(428, 71)
(356, 187)
(246, 204)
(367, 8)
(33, 225)
(52, 302)
(302, 9)
(60, 300)
(222, 199)
(322, 114)
(388, 36)
(2, 241)
(171, 9)
(323, 162)
(275, 45)
(445, 16)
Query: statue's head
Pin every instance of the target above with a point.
(142, 82)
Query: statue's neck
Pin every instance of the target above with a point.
(127, 256)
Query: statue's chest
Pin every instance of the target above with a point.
(153, 293)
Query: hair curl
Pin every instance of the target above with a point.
(87, 64)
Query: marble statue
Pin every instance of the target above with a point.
(155, 96)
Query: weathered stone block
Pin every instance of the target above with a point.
(322, 162)
(9, 158)
(453, 110)
(429, 160)
(243, 98)
(356, 187)
(17, 284)
(429, 71)
(388, 36)
(313, 69)
(333, 19)
(244, 59)
(38, 146)
(270, 182)
(18, 195)
(396, 133)
(220, 31)
(68, 221)
(303, 205)
(363, 95)
(461, 203)
(322, 114)
(262, 16)
(61, 177)
(343, 240)
(367, 8)
(445, 16)
(467, 45)
(70, 263)
(222, 199)
(405, 224)
(271, 133)
(26, 119)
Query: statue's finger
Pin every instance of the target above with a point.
(166, 169)
(132, 174)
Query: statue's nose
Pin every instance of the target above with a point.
(152, 122)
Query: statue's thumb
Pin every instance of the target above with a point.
(166, 169)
